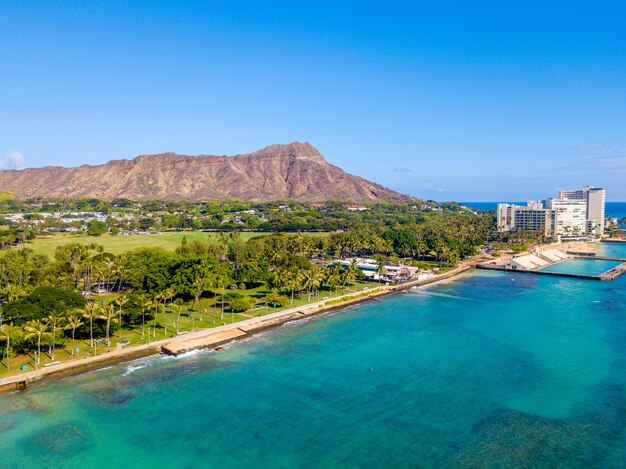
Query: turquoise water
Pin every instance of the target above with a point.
(582, 266)
(611, 249)
(494, 370)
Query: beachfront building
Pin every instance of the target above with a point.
(531, 217)
(506, 217)
(595, 199)
(569, 217)
(370, 269)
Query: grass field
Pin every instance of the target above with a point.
(118, 244)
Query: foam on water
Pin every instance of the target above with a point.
(191, 353)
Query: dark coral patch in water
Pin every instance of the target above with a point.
(510, 439)
(60, 439)
(115, 398)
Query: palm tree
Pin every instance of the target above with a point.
(381, 270)
(110, 267)
(203, 283)
(420, 247)
(169, 294)
(441, 250)
(280, 278)
(200, 285)
(163, 296)
(144, 303)
(73, 322)
(178, 306)
(55, 320)
(7, 333)
(155, 303)
(121, 301)
(119, 272)
(351, 274)
(311, 279)
(91, 312)
(107, 312)
(223, 284)
(40, 330)
(317, 279)
(333, 276)
(294, 282)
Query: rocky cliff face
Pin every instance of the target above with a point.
(279, 172)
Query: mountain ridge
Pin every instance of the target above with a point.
(280, 171)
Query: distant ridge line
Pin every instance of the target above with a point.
(295, 171)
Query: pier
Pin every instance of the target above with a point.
(540, 272)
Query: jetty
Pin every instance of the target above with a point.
(539, 272)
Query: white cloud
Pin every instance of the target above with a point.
(603, 149)
(610, 161)
(12, 160)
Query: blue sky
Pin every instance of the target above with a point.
(442, 100)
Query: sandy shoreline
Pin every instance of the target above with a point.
(214, 337)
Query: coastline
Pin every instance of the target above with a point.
(215, 337)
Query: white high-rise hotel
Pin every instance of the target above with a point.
(573, 214)
(595, 199)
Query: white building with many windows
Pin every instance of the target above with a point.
(595, 199)
(531, 217)
(569, 217)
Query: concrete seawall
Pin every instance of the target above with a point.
(224, 334)
(21, 382)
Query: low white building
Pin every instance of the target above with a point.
(528, 262)
(552, 255)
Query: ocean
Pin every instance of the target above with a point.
(613, 209)
(494, 369)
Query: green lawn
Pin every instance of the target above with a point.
(118, 244)
(207, 314)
